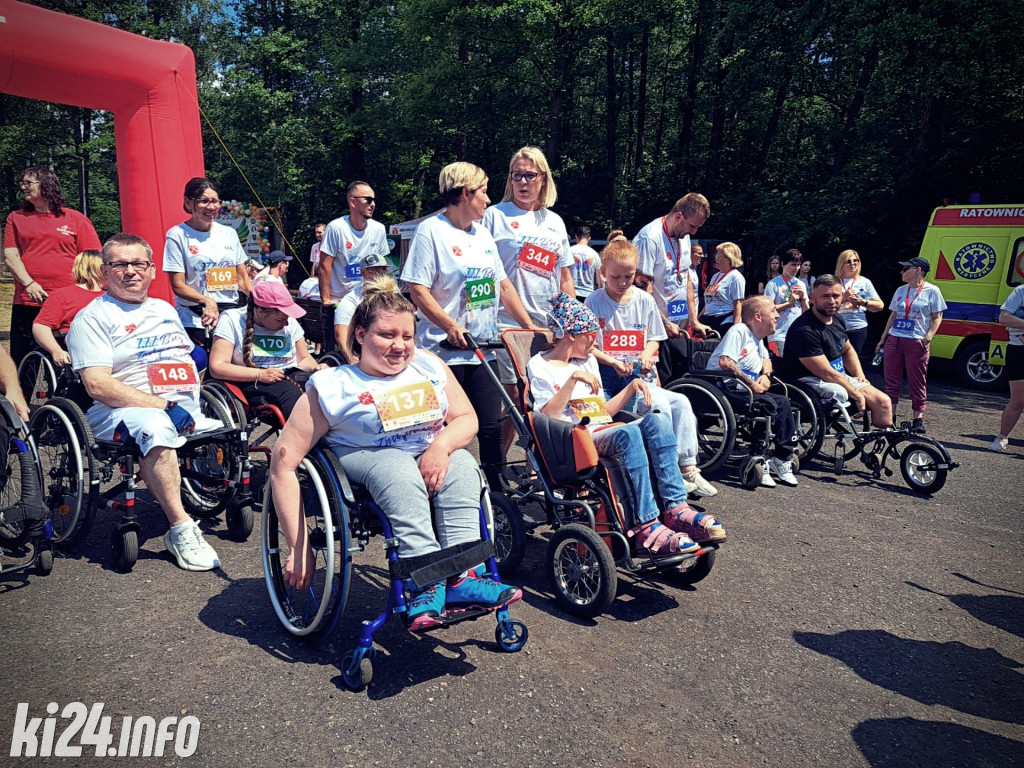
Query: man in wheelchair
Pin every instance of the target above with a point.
(743, 353)
(134, 359)
(818, 353)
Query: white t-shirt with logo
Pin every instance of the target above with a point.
(857, 317)
(667, 260)
(534, 248)
(210, 262)
(779, 291)
(270, 349)
(724, 290)
(1014, 304)
(348, 246)
(547, 378)
(585, 263)
(405, 411)
(742, 347)
(463, 273)
(922, 306)
(144, 346)
(638, 314)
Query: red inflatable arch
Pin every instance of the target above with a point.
(149, 85)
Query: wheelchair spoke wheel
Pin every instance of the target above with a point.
(716, 421)
(63, 438)
(581, 571)
(509, 533)
(208, 468)
(312, 612)
(38, 378)
(920, 465)
(810, 420)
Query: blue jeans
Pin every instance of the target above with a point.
(682, 420)
(640, 447)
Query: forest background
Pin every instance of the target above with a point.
(820, 124)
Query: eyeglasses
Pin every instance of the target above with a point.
(528, 177)
(27, 184)
(122, 266)
(367, 200)
(206, 201)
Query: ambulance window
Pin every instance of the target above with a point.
(1015, 276)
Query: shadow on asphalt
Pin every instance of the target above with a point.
(974, 681)
(906, 742)
(1005, 612)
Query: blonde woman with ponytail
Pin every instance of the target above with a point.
(262, 348)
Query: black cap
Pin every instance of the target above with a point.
(917, 261)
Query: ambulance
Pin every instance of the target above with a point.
(976, 254)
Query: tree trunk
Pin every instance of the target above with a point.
(867, 71)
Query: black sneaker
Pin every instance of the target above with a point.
(918, 427)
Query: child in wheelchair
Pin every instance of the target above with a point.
(399, 423)
(566, 384)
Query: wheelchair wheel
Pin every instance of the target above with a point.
(126, 548)
(63, 439)
(582, 571)
(752, 472)
(215, 390)
(45, 562)
(241, 518)
(811, 422)
(356, 675)
(207, 469)
(693, 570)
(716, 422)
(919, 464)
(509, 533)
(510, 635)
(311, 613)
(38, 377)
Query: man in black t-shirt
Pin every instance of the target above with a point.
(818, 352)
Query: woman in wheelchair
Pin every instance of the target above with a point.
(63, 304)
(566, 384)
(399, 422)
(263, 349)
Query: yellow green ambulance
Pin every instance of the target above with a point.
(976, 254)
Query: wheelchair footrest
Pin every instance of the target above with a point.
(428, 569)
(454, 615)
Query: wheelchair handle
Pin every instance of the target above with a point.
(473, 344)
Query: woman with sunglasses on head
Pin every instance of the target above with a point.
(859, 298)
(456, 279)
(41, 242)
(917, 309)
(205, 261)
(262, 348)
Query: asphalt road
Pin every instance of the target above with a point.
(847, 622)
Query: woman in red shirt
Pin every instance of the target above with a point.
(40, 244)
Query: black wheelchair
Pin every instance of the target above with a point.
(26, 534)
(341, 519)
(78, 470)
(838, 438)
(734, 426)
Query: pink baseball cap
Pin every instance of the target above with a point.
(271, 294)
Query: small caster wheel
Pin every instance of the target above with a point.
(240, 520)
(840, 462)
(796, 464)
(752, 473)
(357, 674)
(126, 549)
(511, 635)
(45, 562)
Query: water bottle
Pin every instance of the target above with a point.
(878, 357)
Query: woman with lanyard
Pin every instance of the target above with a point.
(262, 348)
(41, 242)
(205, 261)
(917, 309)
(399, 423)
(456, 280)
(725, 292)
(790, 295)
(859, 298)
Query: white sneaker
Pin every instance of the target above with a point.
(766, 479)
(696, 485)
(783, 470)
(188, 546)
(998, 445)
